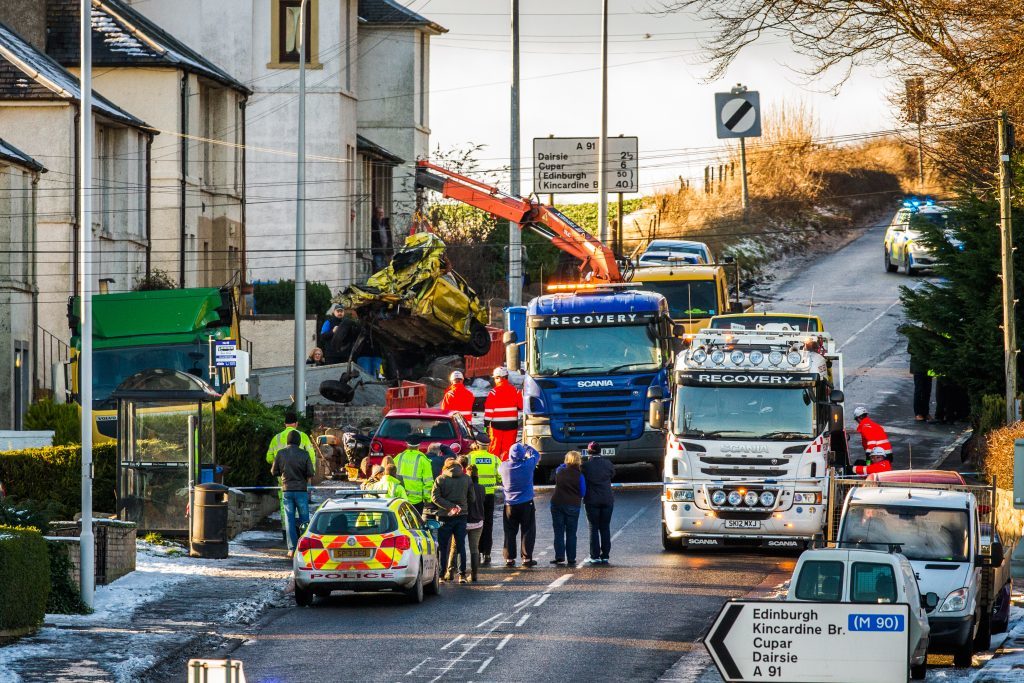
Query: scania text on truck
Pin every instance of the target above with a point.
(754, 427)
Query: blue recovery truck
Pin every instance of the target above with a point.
(594, 359)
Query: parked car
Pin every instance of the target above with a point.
(420, 427)
(867, 576)
(663, 258)
(681, 246)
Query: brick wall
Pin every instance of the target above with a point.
(335, 415)
(114, 547)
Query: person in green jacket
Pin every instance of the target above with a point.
(416, 475)
(390, 483)
(280, 440)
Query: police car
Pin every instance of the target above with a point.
(365, 541)
(902, 243)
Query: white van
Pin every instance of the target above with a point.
(866, 577)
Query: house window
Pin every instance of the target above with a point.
(284, 26)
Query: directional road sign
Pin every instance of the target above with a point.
(738, 114)
(769, 640)
(569, 165)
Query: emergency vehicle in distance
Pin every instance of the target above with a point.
(755, 425)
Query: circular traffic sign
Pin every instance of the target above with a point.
(738, 115)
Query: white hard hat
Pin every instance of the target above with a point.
(500, 372)
(456, 375)
(878, 450)
(860, 411)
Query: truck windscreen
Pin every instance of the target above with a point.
(931, 534)
(686, 298)
(744, 412)
(113, 366)
(594, 350)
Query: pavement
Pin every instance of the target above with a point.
(641, 618)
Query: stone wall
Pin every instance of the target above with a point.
(335, 416)
(246, 509)
(114, 548)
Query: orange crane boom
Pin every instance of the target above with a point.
(543, 219)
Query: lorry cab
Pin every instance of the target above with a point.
(938, 530)
(864, 576)
(694, 293)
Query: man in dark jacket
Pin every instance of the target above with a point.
(474, 524)
(453, 494)
(292, 465)
(516, 476)
(599, 502)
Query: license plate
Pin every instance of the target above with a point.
(607, 451)
(742, 524)
(349, 553)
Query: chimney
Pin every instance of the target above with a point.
(27, 18)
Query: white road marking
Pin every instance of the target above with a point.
(504, 642)
(630, 521)
(524, 601)
(542, 600)
(523, 620)
(453, 641)
(559, 582)
(484, 623)
(484, 665)
(872, 322)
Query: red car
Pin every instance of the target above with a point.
(918, 477)
(420, 427)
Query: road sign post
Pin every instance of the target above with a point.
(738, 115)
(570, 165)
(769, 640)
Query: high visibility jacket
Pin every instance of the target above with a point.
(460, 399)
(880, 466)
(486, 469)
(280, 441)
(415, 473)
(501, 409)
(873, 436)
(392, 485)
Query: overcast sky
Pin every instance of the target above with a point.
(655, 79)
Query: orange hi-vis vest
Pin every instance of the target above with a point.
(501, 409)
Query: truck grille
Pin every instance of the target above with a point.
(586, 414)
(743, 472)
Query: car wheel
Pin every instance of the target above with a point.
(434, 587)
(479, 339)
(919, 671)
(963, 655)
(672, 545)
(983, 639)
(910, 270)
(415, 593)
(890, 267)
(303, 596)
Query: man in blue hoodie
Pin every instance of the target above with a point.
(520, 514)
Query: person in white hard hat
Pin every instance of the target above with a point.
(871, 433)
(458, 398)
(879, 463)
(501, 414)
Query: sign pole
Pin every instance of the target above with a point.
(619, 234)
(300, 227)
(602, 140)
(86, 541)
(743, 178)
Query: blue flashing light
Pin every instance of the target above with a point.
(799, 511)
(686, 508)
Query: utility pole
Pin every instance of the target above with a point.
(1009, 303)
(87, 545)
(515, 249)
(300, 226)
(602, 162)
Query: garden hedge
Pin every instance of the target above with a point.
(24, 579)
(278, 298)
(54, 474)
(62, 418)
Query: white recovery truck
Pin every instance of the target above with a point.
(754, 429)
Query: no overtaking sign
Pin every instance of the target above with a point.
(738, 114)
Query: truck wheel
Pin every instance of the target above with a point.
(983, 640)
(672, 545)
(890, 267)
(479, 339)
(542, 475)
(919, 671)
(963, 656)
(303, 596)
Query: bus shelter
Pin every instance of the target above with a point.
(165, 445)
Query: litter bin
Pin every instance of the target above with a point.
(209, 536)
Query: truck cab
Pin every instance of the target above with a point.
(938, 529)
(695, 294)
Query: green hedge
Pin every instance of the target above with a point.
(63, 418)
(24, 578)
(54, 474)
(64, 597)
(278, 298)
(244, 430)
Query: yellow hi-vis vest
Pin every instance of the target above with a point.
(280, 441)
(391, 485)
(415, 473)
(486, 466)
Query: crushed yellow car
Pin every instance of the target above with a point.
(419, 305)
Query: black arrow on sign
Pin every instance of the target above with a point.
(738, 115)
(716, 642)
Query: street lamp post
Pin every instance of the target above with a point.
(300, 225)
(602, 162)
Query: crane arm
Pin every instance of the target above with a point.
(542, 219)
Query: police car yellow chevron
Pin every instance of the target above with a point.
(365, 542)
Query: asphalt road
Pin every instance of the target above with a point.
(642, 617)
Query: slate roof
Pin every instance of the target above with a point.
(9, 152)
(122, 36)
(390, 12)
(26, 73)
(367, 145)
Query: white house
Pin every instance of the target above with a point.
(19, 177)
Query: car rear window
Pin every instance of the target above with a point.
(820, 580)
(416, 429)
(871, 582)
(352, 523)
